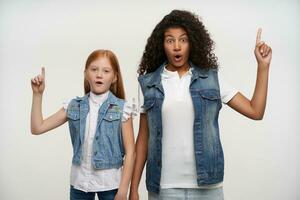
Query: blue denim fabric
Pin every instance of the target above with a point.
(205, 93)
(80, 195)
(188, 194)
(108, 151)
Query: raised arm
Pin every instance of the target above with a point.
(38, 124)
(255, 107)
(141, 156)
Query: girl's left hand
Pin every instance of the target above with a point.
(120, 196)
(263, 52)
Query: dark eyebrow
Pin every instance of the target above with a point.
(169, 36)
(184, 34)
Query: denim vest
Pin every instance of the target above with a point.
(108, 151)
(205, 93)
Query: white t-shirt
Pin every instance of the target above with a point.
(85, 177)
(178, 160)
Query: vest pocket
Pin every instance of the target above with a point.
(112, 116)
(212, 99)
(210, 94)
(111, 122)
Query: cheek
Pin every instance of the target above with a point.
(187, 50)
(86, 77)
(109, 80)
(167, 52)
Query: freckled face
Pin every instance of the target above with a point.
(100, 75)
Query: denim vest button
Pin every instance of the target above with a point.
(96, 137)
(95, 153)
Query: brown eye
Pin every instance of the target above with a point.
(169, 41)
(184, 40)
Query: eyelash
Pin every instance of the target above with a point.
(182, 40)
(95, 69)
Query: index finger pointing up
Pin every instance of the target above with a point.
(258, 36)
(43, 71)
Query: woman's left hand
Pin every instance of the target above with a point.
(263, 52)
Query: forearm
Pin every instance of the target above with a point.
(127, 171)
(36, 113)
(259, 98)
(141, 157)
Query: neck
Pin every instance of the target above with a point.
(99, 94)
(180, 70)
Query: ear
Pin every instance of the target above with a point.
(115, 79)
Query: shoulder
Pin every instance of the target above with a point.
(151, 76)
(75, 102)
(66, 103)
(145, 78)
(116, 100)
(129, 110)
(204, 72)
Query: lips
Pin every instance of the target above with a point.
(99, 82)
(177, 57)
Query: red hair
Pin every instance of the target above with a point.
(117, 88)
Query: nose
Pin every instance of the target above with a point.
(177, 46)
(99, 74)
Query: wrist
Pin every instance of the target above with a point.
(122, 192)
(123, 188)
(37, 94)
(133, 189)
(263, 66)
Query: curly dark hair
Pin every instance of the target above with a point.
(201, 45)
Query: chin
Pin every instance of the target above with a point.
(98, 92)
(179, 65)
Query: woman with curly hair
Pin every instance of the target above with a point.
(179, 132)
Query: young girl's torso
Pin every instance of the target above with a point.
(85, 177)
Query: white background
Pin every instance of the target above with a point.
(262, 157)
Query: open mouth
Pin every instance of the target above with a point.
(99, 82)
(177, 57)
